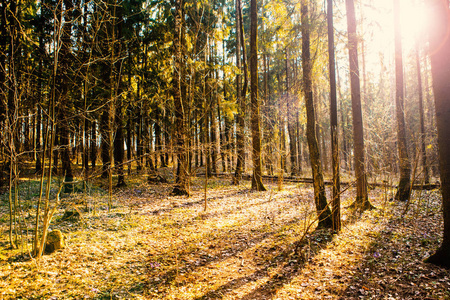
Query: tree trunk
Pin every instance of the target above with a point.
(65, 161)
(38, 168)
(362, 200)
(440, 70)
(404, 185)
(104, 131)
(336, 203)
(291, 120)
(241, 94)
(222, 133)
(85, 145)
(181, 187)
(129, 144)
(119, 151)
(213, 133)
(158, 140)
(139, 141)
(426, 174)
(323, 211)
(255, 122)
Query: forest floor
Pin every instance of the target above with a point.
(246, 245)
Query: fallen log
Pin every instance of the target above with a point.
(295, 179)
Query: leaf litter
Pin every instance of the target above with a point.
(246, 245)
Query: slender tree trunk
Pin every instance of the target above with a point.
(66, 162)
(323, 211)
(55, 151)
(158, 140)
(117, 138)
(426, 174)
(336, 203)
(404, 185)
(85, 145)
(213, 132)
(3, 61)
(181, 187)
(255, 122)
(440, 70)
(129, 119)
(222, 132)
(93, 144)
(63, 97)
(241, 94)
(104, 131)
(269, 126)
(139, 141)
(119, 151)
(291, 120)
(362, 200)
(129, 144)
(38, 168)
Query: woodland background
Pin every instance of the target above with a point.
(102, 101)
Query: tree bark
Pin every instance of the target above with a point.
(119, 151)
(104, 131)
(291, 120)
(404, 185)
(181, 187)
(241, 94)
(335, 204)
(362, 200)
(255, 122)
(440, 70)
(323, 211)
(93, 144)
(426, 174)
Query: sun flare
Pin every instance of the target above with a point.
(414, 21)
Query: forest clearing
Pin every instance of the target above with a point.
(225, 149)
(246, 245)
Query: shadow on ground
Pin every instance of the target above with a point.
(393, 267)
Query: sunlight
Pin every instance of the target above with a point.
(377, 29)
(415, 21)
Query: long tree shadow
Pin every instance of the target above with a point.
(263, 243)
(393, 263)
(191, 258)
(288, 262)
(215, 214)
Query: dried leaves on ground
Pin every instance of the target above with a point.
(246, 245)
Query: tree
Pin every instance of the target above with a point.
(404, 185)
(116, 96)
(423, 152)
(290, 115)
(181, 187)
(240, 94)
(362, 201)
(323, 210)
(255, 122)
(335, 204)
(63, 88)
(440, 72)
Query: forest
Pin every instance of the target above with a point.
(225, 149)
